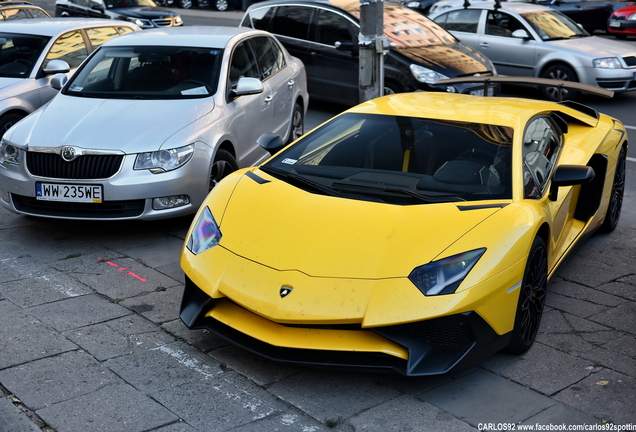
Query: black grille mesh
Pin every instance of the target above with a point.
(82, 168)
(451, 331)
(104, 210)
(630, 60)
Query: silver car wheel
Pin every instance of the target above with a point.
(186, 4)
(221, 5)
(561, 73)
(298, 123)
(224, 164)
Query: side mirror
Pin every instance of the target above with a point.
(521, 34)
(271, 142)
(99, 8)
(248, 86)
(56, 66)
(58, 81)
(569, 175)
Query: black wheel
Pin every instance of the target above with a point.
(620, 36)
(185, 4)
(8, 120)
(559, 72)
(531, 299)
(224, 164)
(391, 88)
(297, 123)
(221, 5)
(616, 199)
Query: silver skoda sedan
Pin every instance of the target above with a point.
(151, 122)
(524, 39)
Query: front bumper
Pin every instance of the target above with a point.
(428, 347)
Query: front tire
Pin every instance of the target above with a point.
(534, 287)
(224, 164)
(8, 120)
(616, 199)
(559, 72)
(391, 88)
(297, 123)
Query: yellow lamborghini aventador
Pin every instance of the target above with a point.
(416, 232)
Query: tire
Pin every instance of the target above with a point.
(616, 199)
(531, 299)
(8, 120)
(224, 164)
(221, 5)
(620, 36)
(559, 72)
(297, 124)
(391, 88)
(185, 4)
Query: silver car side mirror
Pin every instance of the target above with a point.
(248, 86)
(56, 66)
(58, 81)
(521, 34)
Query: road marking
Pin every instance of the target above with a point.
(630, 127)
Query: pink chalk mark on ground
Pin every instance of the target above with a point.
(136, 276)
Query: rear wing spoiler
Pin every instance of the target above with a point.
(560, 85)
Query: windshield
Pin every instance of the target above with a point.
(401, 160)
(552, 25)
(19, 53)
(128, 3)
(148, 73)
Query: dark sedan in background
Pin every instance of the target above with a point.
(144, 13)
(591, 14)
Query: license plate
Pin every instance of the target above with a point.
(68, 192)
(480, 92)
(615, 23)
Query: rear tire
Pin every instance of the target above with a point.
(224, 164)
(534, 287)
(616, 199)
(559, 72)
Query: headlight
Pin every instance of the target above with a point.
(425, 75)
(607, 63)
(205, 234)
(164, 160)
(632, 17)
(413, 4)
(178, 20)
(145, 23)
(445, 276)
(9, 155)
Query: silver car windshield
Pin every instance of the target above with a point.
(148, 73)
(19, 53)
(552, 25)
(401, 160)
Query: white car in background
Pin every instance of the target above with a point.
(35, 49)
(151, 122)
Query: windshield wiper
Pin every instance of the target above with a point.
(305, 181)
(429, 199)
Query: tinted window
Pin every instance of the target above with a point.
(243, 64)
(69, 47)
(332, 27)
(260, 18)
(501, 24)
(292, 21)
(270, 57)
(19, 53)
(465, 20)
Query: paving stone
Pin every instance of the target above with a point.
(173, 271)
(109, 410)
(581, 292)
(407, 414)
(611, 249)
(158, 306)
(160, 252)
(625, 345)
(332, 394)
(202, 340)
(55, 379)
(104, 343)
(584, 325)
(287, 421)
(622, 317)
(179, 426)
(571, 343)
(612, 360)
(624, 287)
(590, 272)
(542, 368)
(606, 394)
(502, 402)
(256, 368)
(559, 414)
(25, 338)
(77, 312)
(602, 337)
(630, 279)
(553, 321)
(413, 385)
(13, 419)
(574, 306)
(132, 325)
(16, 267)
(43, 289)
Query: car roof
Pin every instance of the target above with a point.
(192, 36)
(351, 6)
(55, 26)
(516, 7)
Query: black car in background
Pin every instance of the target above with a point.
(422, 6)
(324, 35)
(591, 14)
(144, 13)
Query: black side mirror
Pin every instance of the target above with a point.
(569, 175)
(99, 8)
(271, 142)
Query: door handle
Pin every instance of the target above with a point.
(484, 44)
(291, 82)
(269, 98)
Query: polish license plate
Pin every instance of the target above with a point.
(68, 192)
(614, 23)
(480, 92)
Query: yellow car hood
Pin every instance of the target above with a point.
(286, 228)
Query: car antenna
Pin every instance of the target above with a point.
(466, 4)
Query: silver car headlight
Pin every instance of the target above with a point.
(205, 234)
(445, 276)
(607, 63)
(9, 155)
(425, 75)
(164, 160)
(178, 20)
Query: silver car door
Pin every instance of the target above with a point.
(463, 24)
(511, 55)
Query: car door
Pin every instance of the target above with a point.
(279, 80)
(72, 8)
(463, 24)
(250, 115)
(510, 55)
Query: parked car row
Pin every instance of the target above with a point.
(17, 10)
(144, 13)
